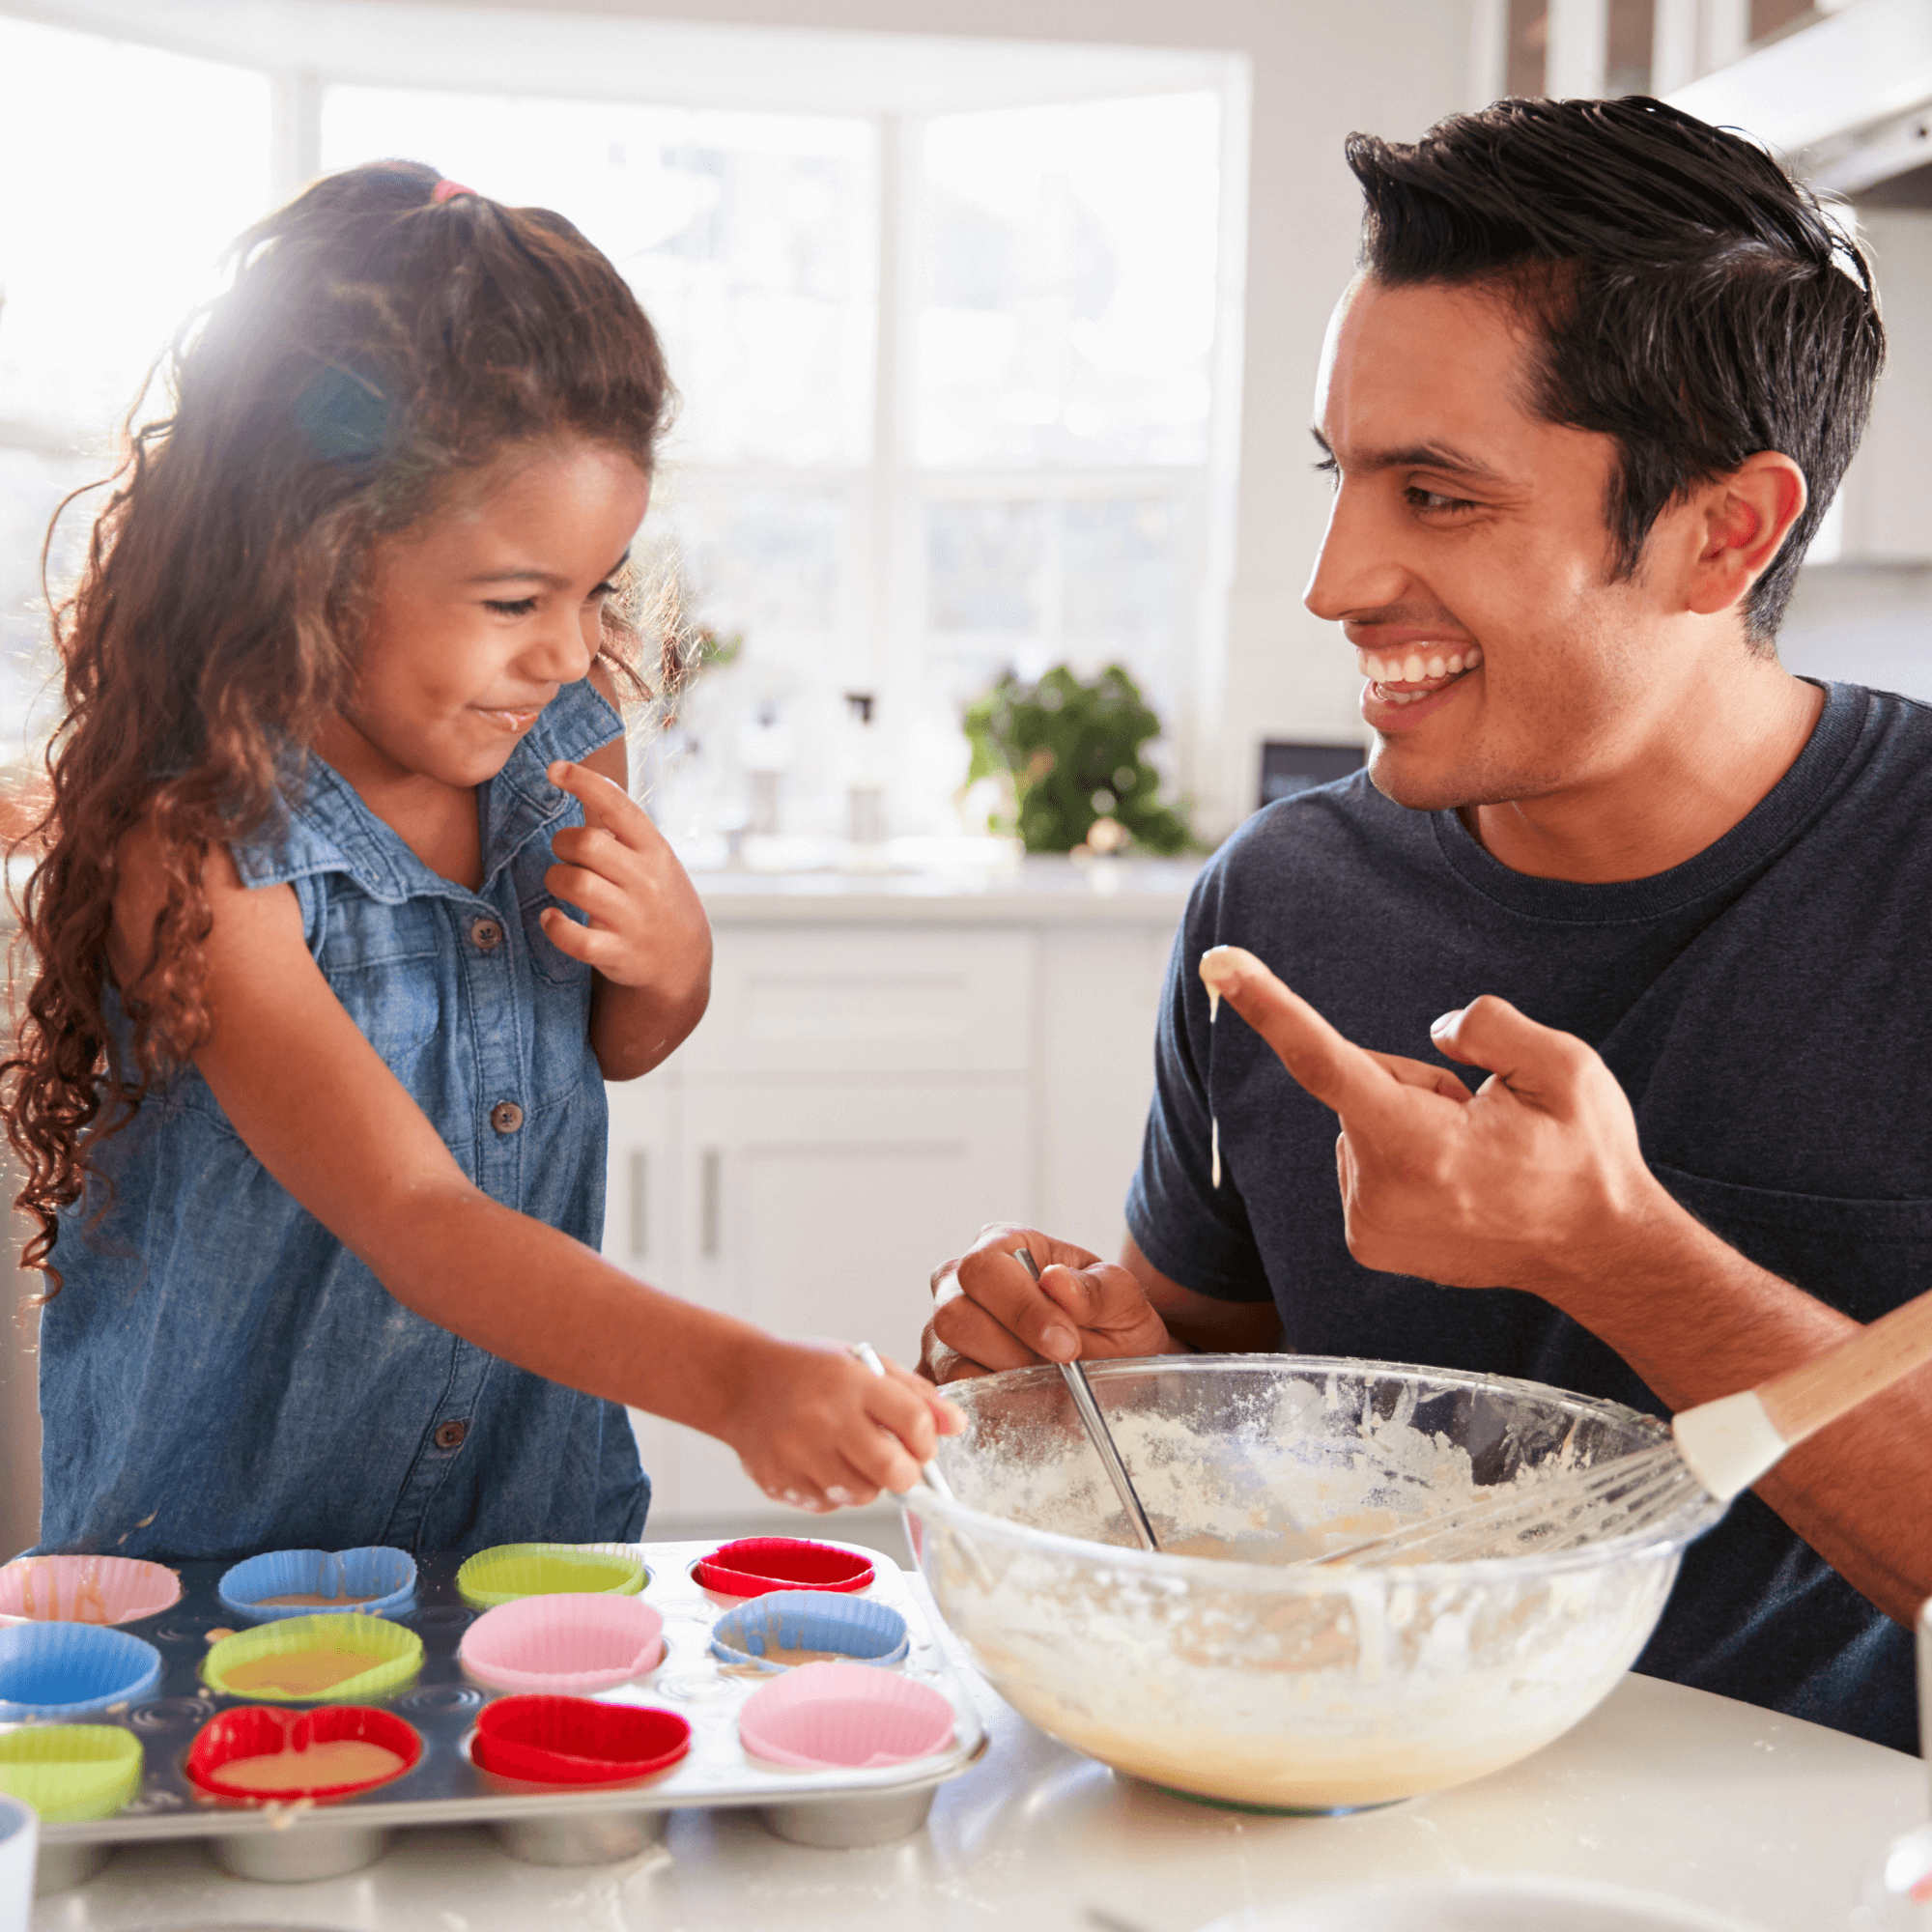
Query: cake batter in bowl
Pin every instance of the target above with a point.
(1223, 1667)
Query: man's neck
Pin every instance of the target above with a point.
(1684, 787)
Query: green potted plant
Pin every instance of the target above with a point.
(1072, 748)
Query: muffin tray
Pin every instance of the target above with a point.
(544, 1825)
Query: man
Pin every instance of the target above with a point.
(1583, 408)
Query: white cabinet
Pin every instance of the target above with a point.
(862, 1097)
(861, 999)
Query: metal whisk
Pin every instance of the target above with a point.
(1621, 1497)
(1717, 1449)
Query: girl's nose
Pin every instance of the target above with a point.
(563, 651)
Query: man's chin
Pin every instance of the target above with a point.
(1418, 784)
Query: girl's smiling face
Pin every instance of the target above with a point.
(480, 613)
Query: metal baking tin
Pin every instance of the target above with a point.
(544, 1825)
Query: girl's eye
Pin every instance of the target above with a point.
(522, 608)
(602, 590)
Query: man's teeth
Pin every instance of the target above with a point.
(1417, 668)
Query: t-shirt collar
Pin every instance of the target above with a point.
(1770, 825)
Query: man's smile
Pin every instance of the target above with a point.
(1400, 677)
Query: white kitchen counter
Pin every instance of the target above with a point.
(1664, 1789)
(1043, 891)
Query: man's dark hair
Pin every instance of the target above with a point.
(1694, 302)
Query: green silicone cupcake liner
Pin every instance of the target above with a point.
(71, 1773)
(394, 1654)
(513, 1570)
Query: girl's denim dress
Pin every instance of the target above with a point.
(219, 1373)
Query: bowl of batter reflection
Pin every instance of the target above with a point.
(1230, 1667)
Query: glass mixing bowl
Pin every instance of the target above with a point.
(1233, 1673)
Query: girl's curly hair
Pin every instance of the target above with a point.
(375, 343)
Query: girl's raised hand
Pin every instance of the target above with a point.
(647, 936)
(616, 869)
(816, 1429)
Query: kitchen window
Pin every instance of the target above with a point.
(954, 383)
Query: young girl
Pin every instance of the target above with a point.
(345, 917)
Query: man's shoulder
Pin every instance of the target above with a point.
(1894, 736)
(1868, 811)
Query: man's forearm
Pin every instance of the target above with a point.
(1697, 1320)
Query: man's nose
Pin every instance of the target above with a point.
(1359, 566)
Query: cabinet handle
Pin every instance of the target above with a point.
(710, 1185)
(641, 1203)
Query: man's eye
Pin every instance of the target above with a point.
(1434, 500)
(522, 608)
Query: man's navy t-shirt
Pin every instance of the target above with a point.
(1766, 1007)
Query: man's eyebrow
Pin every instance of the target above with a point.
(549, 578)
(1444, 456)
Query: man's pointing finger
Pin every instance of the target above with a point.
(1334, 1069)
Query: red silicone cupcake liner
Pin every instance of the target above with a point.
(576, 1741)
(260, 1730)
(756, 1565)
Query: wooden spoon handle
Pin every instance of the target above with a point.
(1803, 1400)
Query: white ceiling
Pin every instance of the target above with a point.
(559, 52)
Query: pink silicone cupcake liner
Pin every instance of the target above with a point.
(822, 1716)
(85, 1589)
(564, 1644)
(755, 1565)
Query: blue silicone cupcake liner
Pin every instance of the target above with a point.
(387, 1577)
(61, 1670)
(850, 1627)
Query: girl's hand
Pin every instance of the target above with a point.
(649, 938)
(617, 868)
(819, 1429)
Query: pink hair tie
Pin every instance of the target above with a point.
(449, 190)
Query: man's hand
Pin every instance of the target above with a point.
(1519, 1184)
(991, 1315)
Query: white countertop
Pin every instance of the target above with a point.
(1713, 1803)
(1033, 892)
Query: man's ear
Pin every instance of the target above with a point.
(1742, 521)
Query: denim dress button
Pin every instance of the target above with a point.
(506, 1117)
(486, 935)
(450, 1435)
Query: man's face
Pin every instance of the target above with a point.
(1468, 532)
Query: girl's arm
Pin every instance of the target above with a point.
(318, 1107)
(648, 937)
